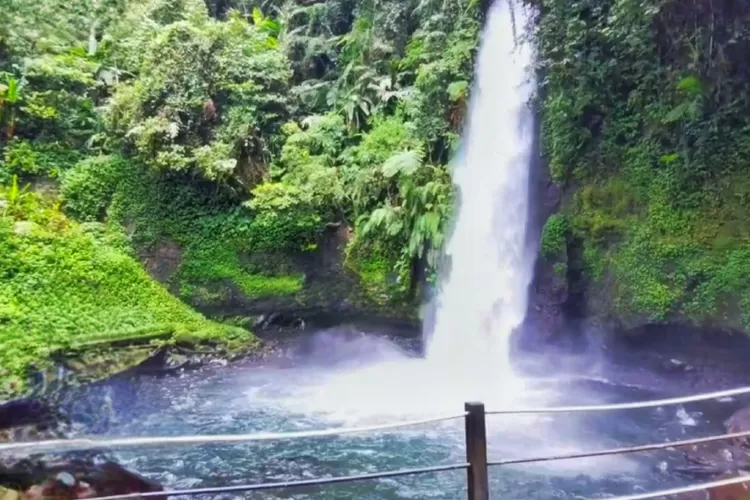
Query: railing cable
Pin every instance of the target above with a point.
(289, 484)
(623, 406)
(94, 443)
(617, 451)
(684, 489)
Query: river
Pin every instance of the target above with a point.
(306, 389)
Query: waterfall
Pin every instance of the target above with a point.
(483, 295)
(483, 292)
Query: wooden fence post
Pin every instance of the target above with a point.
(476, 452)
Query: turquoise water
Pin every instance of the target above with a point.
(243, 399)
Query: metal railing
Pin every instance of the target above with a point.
(476, 464)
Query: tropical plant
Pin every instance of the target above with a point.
(10, 98)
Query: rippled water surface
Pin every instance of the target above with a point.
(354, 389)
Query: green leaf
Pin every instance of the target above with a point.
(457, 90)
(690, 85)
(257, 16)
(405, 162)
(670, 158)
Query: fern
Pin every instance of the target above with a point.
(405, 162)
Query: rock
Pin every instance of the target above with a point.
(26, 412)
(674, 364)
(722, 458)
(545, 319)
(10, 494)
(71, 479)
(111, 478)
(163, 260)
(732, 492)
(30, 419)
(281, 321)
(739, 422)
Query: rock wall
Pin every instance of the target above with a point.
(327, 285)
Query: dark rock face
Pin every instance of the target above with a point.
(26, 412)
(548, 293)
(163, 260)
(545, 318)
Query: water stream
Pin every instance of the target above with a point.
(483, 294)
(481, 301)
(221, 400)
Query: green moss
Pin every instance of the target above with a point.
(668, 261)
(61, 287)
(87, 189)
(554, 235)
(218, 262)
(379, 282)
(560, 269)
(215, 235)
(654, 162)
(36, 158)
(258, 285)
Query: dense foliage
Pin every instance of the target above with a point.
(63, 284)
(646, 125)
(233, 136)
(224, 130)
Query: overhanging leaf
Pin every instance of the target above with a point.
(405, 162)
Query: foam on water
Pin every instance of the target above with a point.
(482, 297)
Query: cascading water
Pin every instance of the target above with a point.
(483, 298)
(481, 301)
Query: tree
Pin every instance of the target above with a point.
(207, 98)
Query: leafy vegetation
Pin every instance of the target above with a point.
(230, 133)
(554, 235)
(64, 284)
(646, 125)
(232, 136)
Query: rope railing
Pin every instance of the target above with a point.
(476, 464)
(290, 484)
(685, 489)
(623, 406)
(97, 443)
(621, 451)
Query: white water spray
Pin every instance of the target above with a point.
(483, 296)
(483, 293)
(483, 299)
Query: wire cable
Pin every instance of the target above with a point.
(624, 406)
(289, 484)
(618, 451)
(685, 489)
(95, 443)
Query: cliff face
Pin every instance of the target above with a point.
(645, 133)
(293, 287)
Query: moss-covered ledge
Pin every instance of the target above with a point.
(325, 279)
(152, 351)
(68, 288)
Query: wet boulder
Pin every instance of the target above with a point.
(111, 478)
(731, 492)
(739, 422)
(71, 479)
